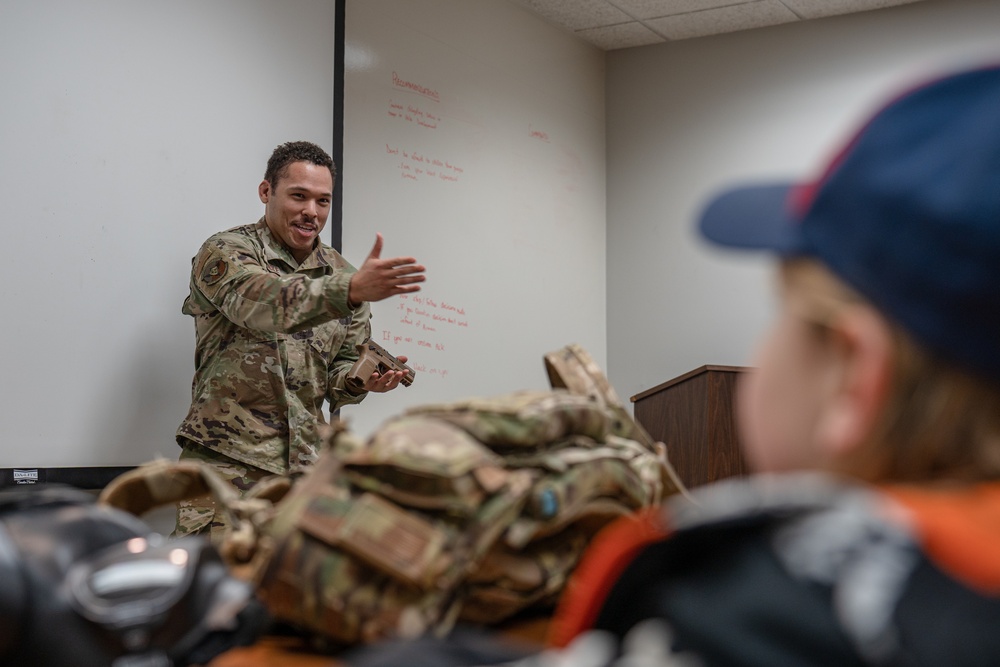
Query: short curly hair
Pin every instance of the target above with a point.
(296, 151)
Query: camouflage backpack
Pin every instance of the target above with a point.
(463, 512)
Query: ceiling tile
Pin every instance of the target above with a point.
(724, 19)
(647, 9)
(814, 9)
(616, 24)
(621, 36)
(577, 14)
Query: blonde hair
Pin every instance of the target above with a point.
(939, 423)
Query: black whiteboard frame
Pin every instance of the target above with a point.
(337, 213)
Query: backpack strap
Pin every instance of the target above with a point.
(572, 368)
(162, 482)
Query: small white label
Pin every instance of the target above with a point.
(26, 476)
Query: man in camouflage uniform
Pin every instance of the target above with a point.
(277, 317)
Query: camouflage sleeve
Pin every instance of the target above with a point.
(359, 331)
(233, 279)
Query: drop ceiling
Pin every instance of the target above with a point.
(620, 24)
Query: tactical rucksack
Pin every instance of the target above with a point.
(466, 512)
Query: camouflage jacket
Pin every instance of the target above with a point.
(274, 338)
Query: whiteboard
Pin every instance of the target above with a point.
(130, 132)
(474, 141)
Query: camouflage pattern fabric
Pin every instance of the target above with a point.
(572, 368)
(351, 566)
(527, 419)
(274, 340)
(201, 515)
(471, 511)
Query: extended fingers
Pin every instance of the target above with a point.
(400, 261)
(379, 278)
(404, 273)
(409, 279)
(403, 265)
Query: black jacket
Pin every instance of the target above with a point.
(801, 570)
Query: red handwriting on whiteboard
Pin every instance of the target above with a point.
(412, 113)
(538, 134)
(421, 318)
(400, 82)
(427, 365)
(415, 165)
(427, 314)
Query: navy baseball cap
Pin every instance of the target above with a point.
(908, 214)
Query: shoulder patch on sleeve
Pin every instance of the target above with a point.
(214, 271)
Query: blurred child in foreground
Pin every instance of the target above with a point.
(870, 533)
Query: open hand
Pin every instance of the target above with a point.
(380, 278)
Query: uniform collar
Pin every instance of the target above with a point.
(275, 251)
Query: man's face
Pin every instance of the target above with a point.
(296, 208)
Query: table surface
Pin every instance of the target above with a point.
(290, 651)
(272, 652)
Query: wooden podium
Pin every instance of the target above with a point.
(694, 415)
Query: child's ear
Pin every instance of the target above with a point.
(862, 352)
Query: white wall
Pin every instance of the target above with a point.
(130, 132)
(689, 117)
